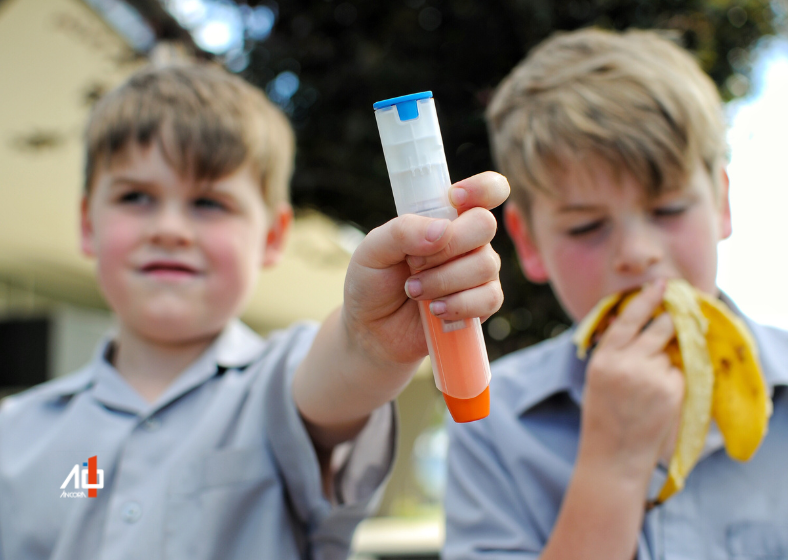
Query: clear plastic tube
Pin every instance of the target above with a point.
(413, 148)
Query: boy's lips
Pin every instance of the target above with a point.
(167, 269)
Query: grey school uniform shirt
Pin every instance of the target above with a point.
(220, 467)
(508, 473)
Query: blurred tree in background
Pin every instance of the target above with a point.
(326, 62)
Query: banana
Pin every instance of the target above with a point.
(723, 379)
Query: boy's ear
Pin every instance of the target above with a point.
(276, 236)
(518, 230)
(86, 242)
(726, 226)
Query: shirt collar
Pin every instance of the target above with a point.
(772, 349)
(236, 347)
(557, 369)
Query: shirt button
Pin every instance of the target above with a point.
(151, 424)
(131, 512)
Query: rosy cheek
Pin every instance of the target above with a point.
(694, 249)
(580, 262)
(228, 249)
(578, 275)
(119, 235)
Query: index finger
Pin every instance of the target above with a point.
(405, 235)
(485, 190)
(657, 334)
(632, 320)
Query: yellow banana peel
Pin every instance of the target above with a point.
(741, 404)
(723, 379)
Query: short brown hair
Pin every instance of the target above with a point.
(207, 121)
(633, 99)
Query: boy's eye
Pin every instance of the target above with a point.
(205, 203)
(584, 229)
(668, 211)
(135, 197)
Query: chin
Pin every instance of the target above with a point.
(169, 327)
(179, 333)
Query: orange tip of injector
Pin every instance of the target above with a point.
(468, 410)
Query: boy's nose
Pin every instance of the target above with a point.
(171, 227)
(638, 251)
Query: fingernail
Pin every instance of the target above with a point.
(458, 196)
(438, 308)
(416, 262)
(436, 229)
(413, 288)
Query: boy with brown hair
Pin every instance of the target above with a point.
(187, 435)
(615, 147)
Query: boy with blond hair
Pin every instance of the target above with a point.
(187, 435)
(615, 148)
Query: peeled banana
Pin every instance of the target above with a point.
(723, 379)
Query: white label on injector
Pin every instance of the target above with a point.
(449, 326)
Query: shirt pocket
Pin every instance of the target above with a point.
(752, 540)
(211, 499)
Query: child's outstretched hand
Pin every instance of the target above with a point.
(413, 258)
(367, 351)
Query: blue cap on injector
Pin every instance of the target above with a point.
(406, 105)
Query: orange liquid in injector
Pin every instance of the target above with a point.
(460, 364)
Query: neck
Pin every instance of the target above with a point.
(150, 366)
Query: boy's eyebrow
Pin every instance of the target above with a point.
(202, 188)
(124, 180)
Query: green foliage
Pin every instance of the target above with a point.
(350, 54)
